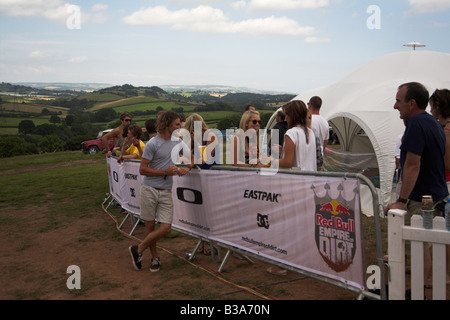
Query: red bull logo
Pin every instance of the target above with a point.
(335, 208)
(335, 230)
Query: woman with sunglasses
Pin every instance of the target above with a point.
(246, 142)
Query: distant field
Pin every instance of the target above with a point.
(153, 105)
(9, 126)
(33, 108)
(123, 102)
(103, 97)
(8, 131)
(14, 122)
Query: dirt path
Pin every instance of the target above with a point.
(35, 266)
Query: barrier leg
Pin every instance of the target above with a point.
(246, 258)
(134, 224)
(124, 219)
(225, 259)
(194, 252)
(110, 203)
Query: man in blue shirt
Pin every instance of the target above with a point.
(422, 149)
(421, 157)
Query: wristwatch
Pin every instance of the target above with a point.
(402, 200)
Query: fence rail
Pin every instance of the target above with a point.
(398, 234)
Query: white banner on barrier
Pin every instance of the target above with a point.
(311, 223)
(308, 222)
(125, 184)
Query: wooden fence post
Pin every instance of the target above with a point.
(396, 253)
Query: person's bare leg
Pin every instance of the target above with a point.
(152, 237)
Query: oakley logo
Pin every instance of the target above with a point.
(189, 195)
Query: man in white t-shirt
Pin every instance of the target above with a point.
(318, 123)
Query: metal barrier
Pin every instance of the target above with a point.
(377, 209)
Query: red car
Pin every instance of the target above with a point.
(96, 145)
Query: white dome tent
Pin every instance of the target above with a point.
(365, 100)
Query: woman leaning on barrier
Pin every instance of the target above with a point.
(299, 150)
(246, 151)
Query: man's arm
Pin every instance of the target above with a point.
(106, 137)
(144, 170)
(411, 170)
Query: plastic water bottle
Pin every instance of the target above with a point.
(447, 215)
(427, 212)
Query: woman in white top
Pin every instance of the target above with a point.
(299, 149)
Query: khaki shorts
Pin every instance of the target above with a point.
(156, 204)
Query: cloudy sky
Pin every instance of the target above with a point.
(282, 45)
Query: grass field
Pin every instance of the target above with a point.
(32, 108)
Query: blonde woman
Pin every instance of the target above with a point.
(190, 126)
(246, 143)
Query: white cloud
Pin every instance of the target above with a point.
(56, 10)
(20, 70)
(28, 7)
(100, 7)
(272, 25)
(78, 59)
(39, 54)
(425, 6)
(239, 5)
(208, 19)
(263, 5)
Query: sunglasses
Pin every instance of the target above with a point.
(256, 121)
(127, 120)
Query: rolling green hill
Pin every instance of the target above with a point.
(19, 103)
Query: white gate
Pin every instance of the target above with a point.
(398, 233)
